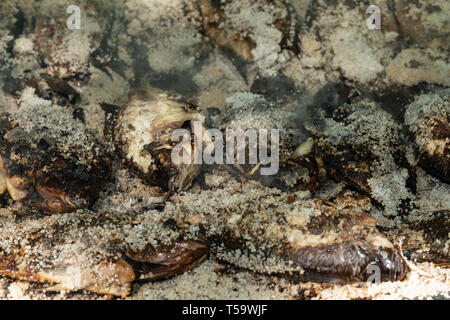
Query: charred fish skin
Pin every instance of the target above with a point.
(99, 252)
(426, 237)
(164, 261)
(295, 236)
(436, 234)
(143, 137)
(67, 186)
(428, 120)
(44, 146)
(362, 145)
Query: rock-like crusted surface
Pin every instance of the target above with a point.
(428, 118)
(178, 45)
(44, 145)
(362, 145)
(257, 31)
(409, 48)
(103, 253)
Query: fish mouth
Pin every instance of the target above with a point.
(166, 260)
(62, 190)
(58, 203)
(57, 200)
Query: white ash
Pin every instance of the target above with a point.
(154, 15)
(432, 194)
(424, 23)
(360, 57)
(412, 33)
(211, 281)
(217, 79)
(416, 286)
(413, 66)
(263, 219)
(390, 189)
(347, 45)
(129, 194)
(81, 239)
(248, 110)
(17, 291)
(73, 51)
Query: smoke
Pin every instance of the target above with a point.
(325, 100)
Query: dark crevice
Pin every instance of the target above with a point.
(391, 5)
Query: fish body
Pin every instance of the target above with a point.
(293, 235)
(45, 149)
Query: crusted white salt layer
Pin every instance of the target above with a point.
(80, 250)
(246, 229)
(428, 119)
(38, 119)
(422, 24)
(367, 130)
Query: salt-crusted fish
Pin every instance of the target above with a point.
(45, 147)
(103, 253)
(293, 235)
(361, 144)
